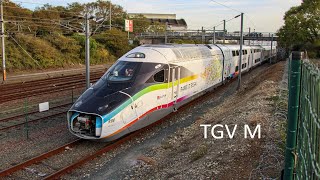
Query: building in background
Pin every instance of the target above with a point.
(174, 24)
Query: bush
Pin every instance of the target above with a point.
(116, 41)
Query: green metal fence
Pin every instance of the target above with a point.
(302, 159)
(308, 139)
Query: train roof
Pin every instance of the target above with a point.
(170, 53)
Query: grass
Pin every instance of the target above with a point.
(199, 152)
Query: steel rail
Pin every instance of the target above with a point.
(39, 158)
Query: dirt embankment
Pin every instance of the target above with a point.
(188, 155)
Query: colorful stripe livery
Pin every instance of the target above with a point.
(149, 89)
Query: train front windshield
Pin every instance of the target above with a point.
(122, 71)
(119, 76)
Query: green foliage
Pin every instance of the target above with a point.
(98, 53)
(116, 41)
(68, 46)
(46, 37)
(140, 24)
(157, 27)
(42, 51)
(199, 152)
(302, 27)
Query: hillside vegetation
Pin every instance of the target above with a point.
(53, 36)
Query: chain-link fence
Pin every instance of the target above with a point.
(24, 115)
(308, 137)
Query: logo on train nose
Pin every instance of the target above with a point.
(161, 96)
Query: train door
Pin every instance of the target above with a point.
(129, 113)
(175, 88)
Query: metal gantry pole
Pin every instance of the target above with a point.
(249, 36)
(240, 58)
(2, 44)
(202, 35)
(110, 12)
(87, 52)
(224, 31)
(271, 49)
(165, 35)
(214, 35)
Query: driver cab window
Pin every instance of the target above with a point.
(159, 76)
(122, 71)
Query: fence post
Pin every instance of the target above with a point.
(293, 108)
(72, 95)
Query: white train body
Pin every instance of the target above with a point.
(164, 78)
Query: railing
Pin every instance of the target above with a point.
(303, 135)
(200, 33)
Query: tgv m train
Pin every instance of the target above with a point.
(151, 81)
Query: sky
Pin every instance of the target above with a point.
(259, 15)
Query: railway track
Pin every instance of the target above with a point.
(19, 120)
(39, 87)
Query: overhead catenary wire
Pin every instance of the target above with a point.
(25, 2)
(225, 6)
(44, 19)
(44, 24)
(234, 10)
(24, 50)
(66, 12)
(214, 1)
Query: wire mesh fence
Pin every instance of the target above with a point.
(25, 114)
(308, 136)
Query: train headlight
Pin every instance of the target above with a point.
(78, 103)
(103, 108)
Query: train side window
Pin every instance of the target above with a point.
(246, 52)
(237, 53)
(159, 76)
(237, 68)
(233, 53)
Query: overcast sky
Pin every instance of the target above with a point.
(261, 15)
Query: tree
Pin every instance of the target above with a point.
(140, 23)
(302, 27)
(157, 27)
(101, 9)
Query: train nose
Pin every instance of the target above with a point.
(85, 124)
